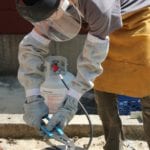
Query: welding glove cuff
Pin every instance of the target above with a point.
(65, 113)
(34, 110)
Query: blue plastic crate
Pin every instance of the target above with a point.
(126, 104)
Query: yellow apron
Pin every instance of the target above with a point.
(127, 66)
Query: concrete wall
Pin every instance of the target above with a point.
(9, 50)
(8, 53)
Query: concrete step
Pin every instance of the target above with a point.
(13, 126)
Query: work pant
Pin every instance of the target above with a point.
(108, 112)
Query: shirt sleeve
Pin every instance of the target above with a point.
(103, 17)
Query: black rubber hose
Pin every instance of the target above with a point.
(86, 113)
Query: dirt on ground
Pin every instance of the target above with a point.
(34, 144)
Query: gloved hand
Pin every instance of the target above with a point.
(35, 109)
(65, 113)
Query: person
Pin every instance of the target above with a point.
(126, 72)
(60, 20)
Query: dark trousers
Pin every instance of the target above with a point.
(108, 112)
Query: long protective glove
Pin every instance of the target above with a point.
(89, 63)
(32, 52)
(35, 109)
(65, 113)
